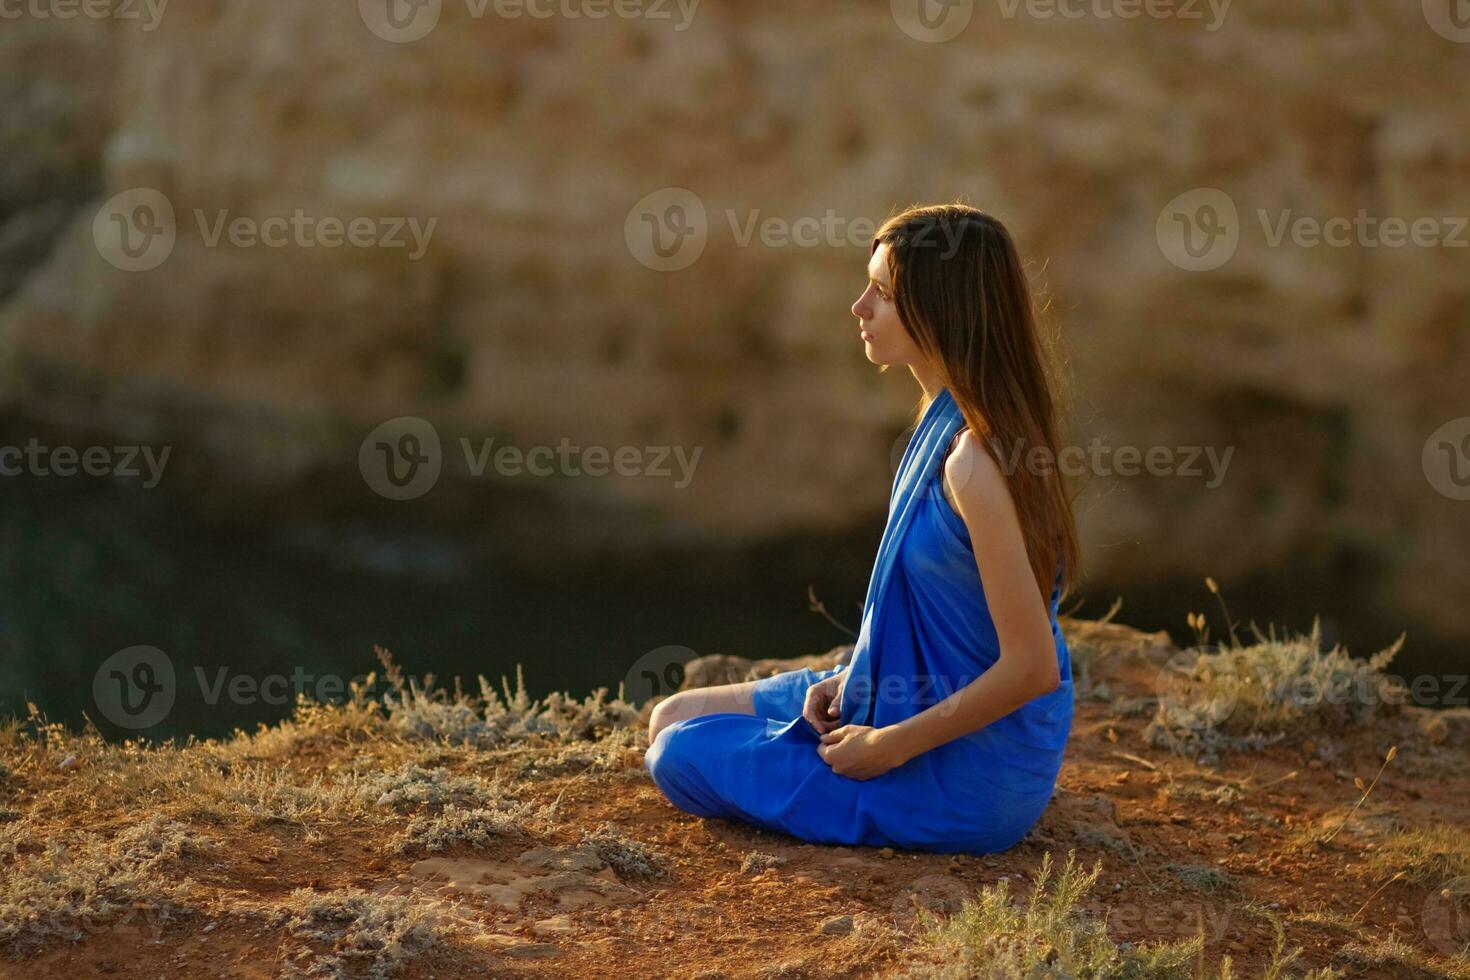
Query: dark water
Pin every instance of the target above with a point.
(250, 610)
(92, 567)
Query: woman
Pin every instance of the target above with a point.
(946, 729)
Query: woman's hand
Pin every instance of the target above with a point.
(824, 703)
(862, 752)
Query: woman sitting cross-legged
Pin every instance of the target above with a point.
(945, 731)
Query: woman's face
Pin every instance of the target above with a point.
(885, 341)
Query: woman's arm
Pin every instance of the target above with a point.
(997, 692)
(1027, 666)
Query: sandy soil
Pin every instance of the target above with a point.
(549, 908)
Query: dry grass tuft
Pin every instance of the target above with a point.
(412, 786)
(68, 890)
(488, 720)
(1427, 855)
(992, 937)
(628, 857)
(479, 827)
(1243, 697)
(1402, 959)
(344, 933)
(56, 884)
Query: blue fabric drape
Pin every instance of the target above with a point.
(926, 632)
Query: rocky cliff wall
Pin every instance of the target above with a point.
(535, 311)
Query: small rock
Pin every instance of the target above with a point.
(562, 859)
(1434, 728)
(887, 852)
(838, 925)
(557, 925)
(758, 861)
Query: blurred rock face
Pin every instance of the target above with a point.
(554, 297)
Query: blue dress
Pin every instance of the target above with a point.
(926, 632)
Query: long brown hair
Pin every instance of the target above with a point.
(963, 296)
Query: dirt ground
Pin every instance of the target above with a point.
(1185, 849)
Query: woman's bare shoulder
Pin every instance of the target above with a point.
(973, 480)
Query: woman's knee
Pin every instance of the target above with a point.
(664, 714)
(672, 762)
(663, 753)
(700, 701)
